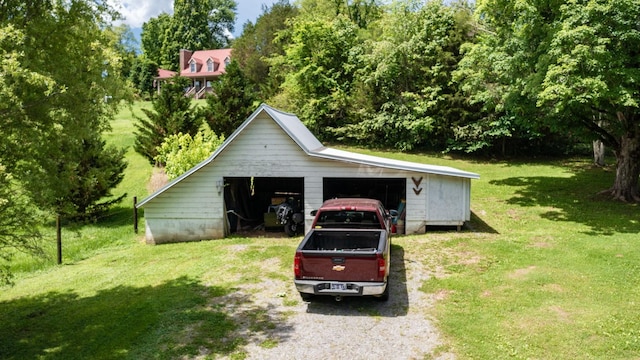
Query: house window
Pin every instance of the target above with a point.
(193, 66)
(227, 60)
(209, 65)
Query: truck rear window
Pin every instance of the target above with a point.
(348, 219)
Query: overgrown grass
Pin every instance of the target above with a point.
(547, 269)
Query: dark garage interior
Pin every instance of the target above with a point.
(388, 190)
(250, 201)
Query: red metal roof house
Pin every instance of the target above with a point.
(202, 67)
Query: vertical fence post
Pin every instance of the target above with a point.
(59, 238)
(135, 214)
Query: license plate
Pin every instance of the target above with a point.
(341, 287)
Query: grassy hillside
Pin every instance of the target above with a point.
(547, 269)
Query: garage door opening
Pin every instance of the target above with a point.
(389, 191)
(251, 202)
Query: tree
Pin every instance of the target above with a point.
(171, 114)
(153, 36)
(405, 94)
(63, 53)
(594, 74)
(568, 67)
(258, 43)
(57, 68)
(143, 74)
(197, 25)
(319, 69)
(19, 224)
(123, 41)
(230, 102)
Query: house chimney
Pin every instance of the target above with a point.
(185, 56)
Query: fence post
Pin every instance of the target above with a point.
(59, 238)
(135, 214)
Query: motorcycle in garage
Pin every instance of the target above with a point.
(289, 215)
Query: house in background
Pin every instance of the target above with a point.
(202, 67)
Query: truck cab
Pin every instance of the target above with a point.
(351, 213)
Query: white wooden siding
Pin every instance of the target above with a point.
(193, 208)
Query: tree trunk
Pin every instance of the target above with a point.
(625, 186)
(598, 153)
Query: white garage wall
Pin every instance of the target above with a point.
(192, 208)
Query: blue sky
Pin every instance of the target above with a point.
(137, 12)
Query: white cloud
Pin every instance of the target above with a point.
(136, 13)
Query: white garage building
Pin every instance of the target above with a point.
(272, 156)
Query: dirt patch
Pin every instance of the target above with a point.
(521, 273)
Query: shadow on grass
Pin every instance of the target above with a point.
(576, 199)
(476, 224)
(166, 321)
(397, 305)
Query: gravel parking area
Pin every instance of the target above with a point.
(281, 326)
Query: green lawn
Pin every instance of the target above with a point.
(547, 269)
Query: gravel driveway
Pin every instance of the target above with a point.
(355, 328)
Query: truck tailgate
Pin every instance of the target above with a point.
(340, 267)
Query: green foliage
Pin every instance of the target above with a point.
(319, 68)
(59, 67)
(258, 43)
(405, 85)
(153, 36)
(196, 25)
(562, 68)
(142, 76)
(19, 223)
(181, 152)
(124, 43)
(230, 102)
(172, 114)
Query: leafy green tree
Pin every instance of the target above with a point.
(319, 69)
(181, 152)
(153, 36)
(125, 44)
(569, 67)
(19, 224)
(258, 43)
(230, 102)
(58, 67)
(405, 92)
(70, 70)
(360, 12)
(143, 74)
(172, 114)
(84, 182)
(197, 25)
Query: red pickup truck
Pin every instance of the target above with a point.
(346, 252)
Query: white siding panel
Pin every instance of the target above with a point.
(160, 231)
(416, 203)
(447, 199)
(193, 209)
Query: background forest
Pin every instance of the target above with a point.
(497, 78)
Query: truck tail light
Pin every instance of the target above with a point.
(296, 264)
(382, 267)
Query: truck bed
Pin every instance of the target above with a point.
(341, 240)
(342, 255)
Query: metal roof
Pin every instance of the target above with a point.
(312, 147)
